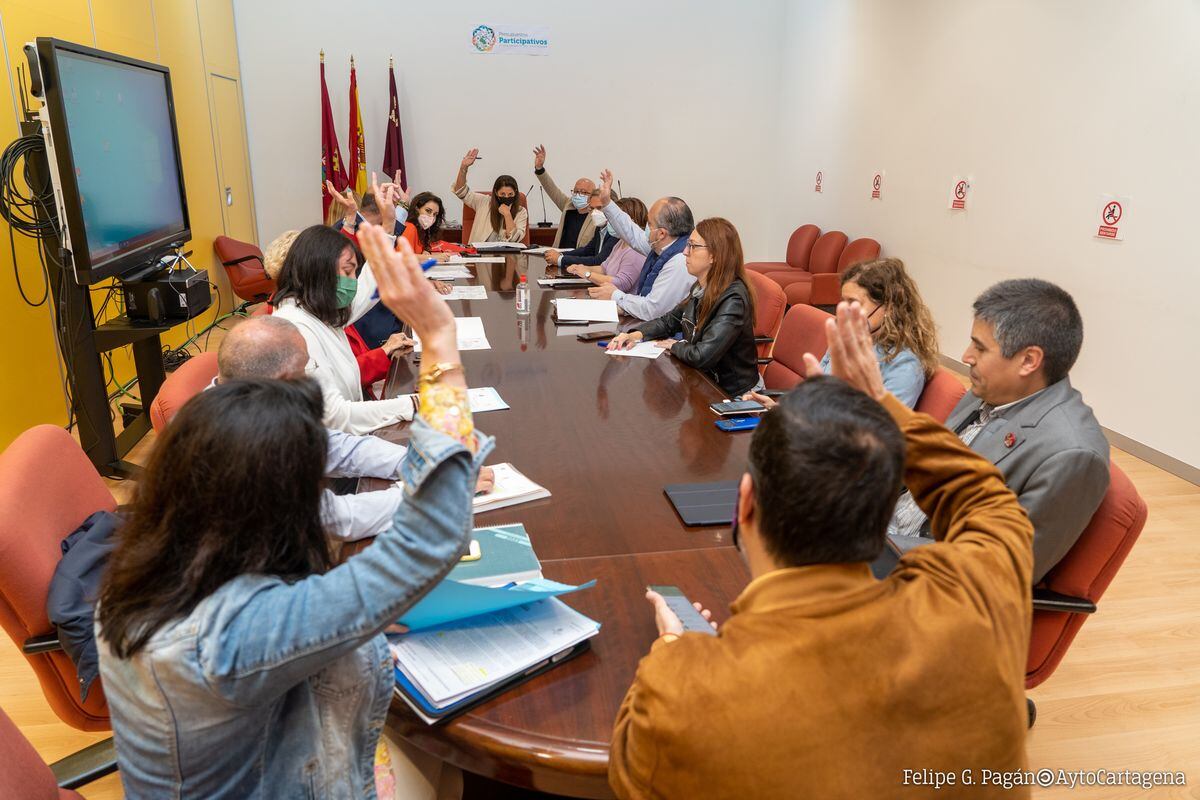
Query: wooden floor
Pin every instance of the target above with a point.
(1127, 695)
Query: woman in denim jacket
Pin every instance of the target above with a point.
(238, 661)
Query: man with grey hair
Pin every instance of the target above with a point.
(270, 347)
(1023, 415)
(664, 280)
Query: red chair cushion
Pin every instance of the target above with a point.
(826, 252)
(180, 386)
(248, 279)
(798, 293)
(786, 279)
(941, 394)
(803, 331)
(763, 267)
(23, 773)
(769, 305)
(856, 252)
(800, 245)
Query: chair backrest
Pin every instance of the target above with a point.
(48, 487)
(941, 394)
(800, 245)
(769, 305)
(803, 331)
(243, 263)
(23, 773)
(826, 251)
(1086, 571)
(187, 381)
(856, 252)
(469, 218)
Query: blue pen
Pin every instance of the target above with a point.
(601, 344)
(425, 266)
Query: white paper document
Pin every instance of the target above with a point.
(471, 335)
(476, 260)
(590, 310)
(466, 293)
(540, 251)
(563, 282)
(448, 272)
(640, 350)
(511, 488)
(513, 247)
(485, 398)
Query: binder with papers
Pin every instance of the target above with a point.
(511, 488)
(451, 601)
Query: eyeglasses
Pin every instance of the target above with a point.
(690, 246)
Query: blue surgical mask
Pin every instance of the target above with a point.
(579, 201)
(609, 230)
(347, 288)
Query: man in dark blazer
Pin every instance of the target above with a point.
(1023, 415)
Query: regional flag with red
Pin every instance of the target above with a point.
(331, 156)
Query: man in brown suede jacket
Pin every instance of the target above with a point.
(825, 682)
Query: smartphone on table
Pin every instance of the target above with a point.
(595, 336)
(727, 408)
(677, 601)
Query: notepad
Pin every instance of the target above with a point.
(640, 350)
(448, 272)
(511, 488)
(573, 310)
(471, 335)
(466, 293)
(505, 556)
(538, 251)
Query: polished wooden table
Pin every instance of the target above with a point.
(604, 435)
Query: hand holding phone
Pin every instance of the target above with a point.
(689, 616)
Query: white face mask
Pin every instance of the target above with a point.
(426, 221)
(598, 218)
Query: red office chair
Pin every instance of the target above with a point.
(1070, 591)
(803, 331)
(24, 774)
(822, 259)
(799, 247)
(243, 263)
(827, 287)
(941, 394)
(48, 487)
(469, 219)
(769, 305)
(182, 385)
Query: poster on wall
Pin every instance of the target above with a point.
(817, 185)
(960, 193)
(877, 184)
(513, 40)
(1111, 213)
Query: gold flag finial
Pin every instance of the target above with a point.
(322, 56)
(352, 59)
(389, 62)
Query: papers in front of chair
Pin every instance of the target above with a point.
(447, 272)
(511, 488)
(588, 310)
(541, 251)
(511, 247)
(640, 350)
(476, 260)
(485, 398)
(563, 282)
(471, 335)
(466, 293)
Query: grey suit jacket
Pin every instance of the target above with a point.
(1054, 456)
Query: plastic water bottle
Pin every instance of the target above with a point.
(523, 296)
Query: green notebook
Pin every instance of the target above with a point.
(506, 556)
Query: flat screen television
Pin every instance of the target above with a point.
(114, 158)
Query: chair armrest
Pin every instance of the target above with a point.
(235, 261)
(46, 643)
(1046, 600)
(763, 339)
(762, 362)
(89, 764)
(773, 392)
(826, 289)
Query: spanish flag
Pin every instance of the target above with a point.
(357, 173)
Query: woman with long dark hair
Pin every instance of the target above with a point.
(319, 294)
(237, 660)
(499, 217)
(716, 319)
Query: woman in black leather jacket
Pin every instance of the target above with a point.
(716, 319)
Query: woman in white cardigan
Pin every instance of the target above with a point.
(319, 294)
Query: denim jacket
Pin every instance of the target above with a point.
(276, 689)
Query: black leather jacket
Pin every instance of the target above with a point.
(724, 348)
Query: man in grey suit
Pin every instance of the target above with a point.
(1023, 415)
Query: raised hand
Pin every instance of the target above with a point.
(405, 290)
(345, 201)
(539, 157)
(470, 157)
(851, 351)
(385, 199)
(606, 182)
(400, 193)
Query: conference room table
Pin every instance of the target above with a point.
(604, 434)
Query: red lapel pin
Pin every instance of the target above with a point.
(1010, 439)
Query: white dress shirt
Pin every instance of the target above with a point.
(357, 516)
(670, 287)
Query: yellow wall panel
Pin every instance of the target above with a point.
(125, 27)
(220, 39)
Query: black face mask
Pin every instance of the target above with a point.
(505, 201)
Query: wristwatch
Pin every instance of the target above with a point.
(587, 274)
(431, 375)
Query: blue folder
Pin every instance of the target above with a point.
(450, 601)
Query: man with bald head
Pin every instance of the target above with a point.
(270, 347)
(581, 226)
(664, 280)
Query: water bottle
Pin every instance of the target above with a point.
(523, 296)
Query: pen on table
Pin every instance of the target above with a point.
(425, 265)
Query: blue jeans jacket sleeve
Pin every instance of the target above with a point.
(260, 644)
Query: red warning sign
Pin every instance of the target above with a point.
(1110, 219)
(960, 196)
(817, 187)
(877, 186)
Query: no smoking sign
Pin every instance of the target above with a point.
(960, 193)
(1112, 213)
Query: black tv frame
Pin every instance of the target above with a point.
(70, 208)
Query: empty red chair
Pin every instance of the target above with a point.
(23, 773)
(941, 394)
(469, 219)
(769, 305)
(48, 487)
(823, 259)
(803, 331)
(799, 247)
(187, 381)
(1070, 591)
(827, 287)
(243, 263)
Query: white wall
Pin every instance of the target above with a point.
(1048, 105)
(675, 97)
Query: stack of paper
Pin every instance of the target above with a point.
(640, 350)
(440, 672)
(570, 310)
(539, 251)
(471, 335)
(466, 293)
(512, 247)
(512, 488)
